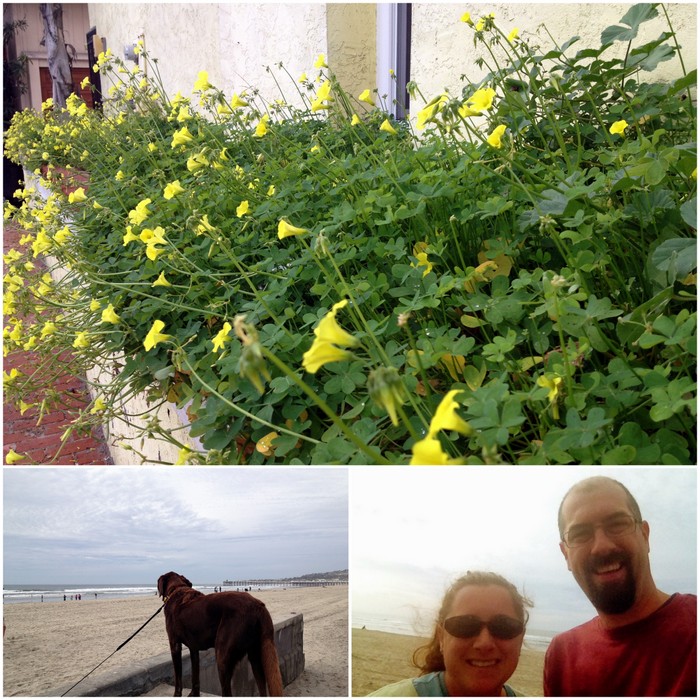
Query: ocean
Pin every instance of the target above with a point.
(22, 593)
(534, 639)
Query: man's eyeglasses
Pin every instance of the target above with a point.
(500, 626)
(618, 526)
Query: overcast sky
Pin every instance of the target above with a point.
(130, 525)
(414, 531)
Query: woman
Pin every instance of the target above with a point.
(476, 642)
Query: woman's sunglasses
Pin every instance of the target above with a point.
(500, 627)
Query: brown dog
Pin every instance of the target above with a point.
(235, 624)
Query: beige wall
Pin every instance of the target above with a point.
(235, 42)
(75, 27)
(442, 46)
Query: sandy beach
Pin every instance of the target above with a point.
(380, 658)
(47, 645)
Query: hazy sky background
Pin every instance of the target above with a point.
(130, 525)
(414, 531)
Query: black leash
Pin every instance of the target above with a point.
(115, 651)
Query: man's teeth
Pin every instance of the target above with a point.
(607, 569)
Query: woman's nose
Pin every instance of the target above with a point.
(484, 639)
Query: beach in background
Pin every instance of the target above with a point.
(380, 658)
(51, 644)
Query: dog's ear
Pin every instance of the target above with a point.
(163, 583)
(187, 582)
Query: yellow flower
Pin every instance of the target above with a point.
(322, 96)
(24, 407)
(204, 226)
(109, 315)
(12, 457)
(202, 83)
(152, 147)
(119, 176)
(85, 82)
(95, 305)
(61, 236)
(261, 129)
(81, 340)
(355, 120)
(423, 262)
(513, 35)
(197, 162)
(140, 213)
(155, 336)
(619, 127)
(98, 406)
(172, 189)
(184, 114)
(320, 354)
(329, 335)
(242, 209)
(321, 61)
(129, 235)
(77, 196)
(271, 190)
(49, 328)
(479, 102)
(161, 281)
(302, 78)
(221, 337)
(328, 330)
(430, 110)
(237, 102)
(153, 237)
(181, 137)
(366, 96)
(467, 19)
(285, 229)
(182, 456)
(386, 126)
(480, 25)
(428, 451)
(446, 417)
(552, 382)
(494, 138)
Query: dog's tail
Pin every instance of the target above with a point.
(271, 666)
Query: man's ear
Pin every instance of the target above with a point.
(565, 551)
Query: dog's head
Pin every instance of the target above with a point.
(170, 581)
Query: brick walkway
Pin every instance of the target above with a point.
(41, 443)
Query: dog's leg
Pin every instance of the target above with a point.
(176, 652)
(256, 664)
(194, 658)
(225, 665)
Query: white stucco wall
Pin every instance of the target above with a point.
(234, 42)
(442, 46)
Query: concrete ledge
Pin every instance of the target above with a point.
(140, 678)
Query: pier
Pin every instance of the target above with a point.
(297, 583)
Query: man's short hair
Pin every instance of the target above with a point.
(591, 484)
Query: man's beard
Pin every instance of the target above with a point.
(610, 598)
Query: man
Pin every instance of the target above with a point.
(643, 641)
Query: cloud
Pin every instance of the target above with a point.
(130, 525)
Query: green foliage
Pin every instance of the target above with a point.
(531, 253)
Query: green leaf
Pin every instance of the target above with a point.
(689, 212)
(635, 16)
(678, 253)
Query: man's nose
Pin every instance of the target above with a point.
(601, 541)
